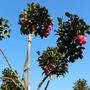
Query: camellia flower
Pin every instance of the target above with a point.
(81, 39)
(47, 71)
(48, 27)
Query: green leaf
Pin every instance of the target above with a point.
(72, 59)
(88, 32)
(1, 28)
(4, 20)
(67, 14)
(7, 33)
(1, 37)
(81, 56)
(81, 48)
(38, 52)
(59, 19)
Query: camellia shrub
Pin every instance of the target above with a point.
(71, 38)
(52, 63)
(35, 20)
(72, 35)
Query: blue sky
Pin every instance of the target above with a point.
(16, 47)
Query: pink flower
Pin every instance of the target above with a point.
(81, 39)
(48, 27)
(46, 71)
(46, 34)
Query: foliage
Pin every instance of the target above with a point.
(71, 37)
(4, 28)
(8, 84)
(51, 61)
(68, 36)
(81, 84)
(35, 20)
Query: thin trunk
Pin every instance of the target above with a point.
(47, 85)
(24, 70)
(40, 84)
(28, 60)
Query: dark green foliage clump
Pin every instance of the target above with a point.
(51, 61)
(35, 20)
(71, 37)
(68, 33)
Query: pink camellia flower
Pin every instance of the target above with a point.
(81, 39)
(48, 27)
(46, 70)
(46, 34)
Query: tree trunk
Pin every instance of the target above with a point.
(40, 84)
(28, 60)
(47, 85)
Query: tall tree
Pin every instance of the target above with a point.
(34, 21)
(71, 38)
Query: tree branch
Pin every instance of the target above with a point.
(11, 67)
(6, 58)
(11, 80)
